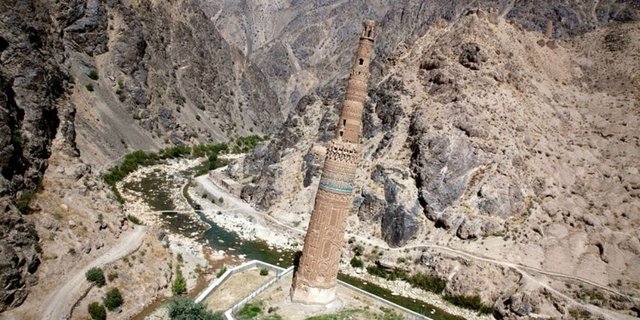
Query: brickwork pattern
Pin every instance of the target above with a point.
(318, 269)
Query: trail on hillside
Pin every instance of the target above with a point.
(60, 301)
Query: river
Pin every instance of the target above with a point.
(157, 189)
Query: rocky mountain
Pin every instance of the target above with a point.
(492, 139)
(82, 82)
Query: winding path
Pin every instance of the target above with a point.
(60, 301)
(240, 205)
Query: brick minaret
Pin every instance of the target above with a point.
(315, 279)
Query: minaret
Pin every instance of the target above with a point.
(315, 279)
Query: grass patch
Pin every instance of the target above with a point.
(250, 311)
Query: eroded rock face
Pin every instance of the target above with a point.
(31, 85)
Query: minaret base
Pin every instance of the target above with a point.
(310, 295)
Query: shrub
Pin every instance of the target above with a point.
(112, 275)
(134, 219)
(356, 263)
(198, 117)
(97, 311)
(96, 276)
(179, 285)
(93, 74)
(358, 250)
(89, 87)
(427, 282)
(113, 299)
(250, 311)
(221, 272)
(264, 271)
(187, 309)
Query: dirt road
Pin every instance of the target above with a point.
(59, 302)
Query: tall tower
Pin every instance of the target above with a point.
(315, 279)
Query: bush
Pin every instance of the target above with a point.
(179, 285)
(113, 299)
(96, 276)
(97, 311)
(134, 219)
(187, 309)
(469, 302)
(89, 87)
(93, 74)
(356, 263)
(221, 272)
(264, 271)
(358, 250)
(427, 282)
(250, 311)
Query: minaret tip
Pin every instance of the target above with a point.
(368, 29)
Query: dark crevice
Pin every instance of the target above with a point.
(16, 165)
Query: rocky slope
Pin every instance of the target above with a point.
(303, 45)
(84, 82)
(490, 139)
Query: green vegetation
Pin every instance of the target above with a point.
(250, 311)
(358, 250)
(120, 91)
(93, 74)
(427, 282)
(221, 272)
(187, 309)
(89, 87)
(112, 275)
(412, 304)
(23, 201)
(356, 263)
(264, 271)
(419, 280)
(134, 219)
(359, 314)
(137, 159)
(469, 302)
(244, 144)
(96, 276)
(391, 275)
(97, 311)
(179, 285)
(113, 299)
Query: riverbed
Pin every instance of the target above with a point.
(163, 195)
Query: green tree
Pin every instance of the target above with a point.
(186, 309)
(113, 299)
(179, 284)
(97, 311)
(96, 276)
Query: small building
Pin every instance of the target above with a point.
(225, 182)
